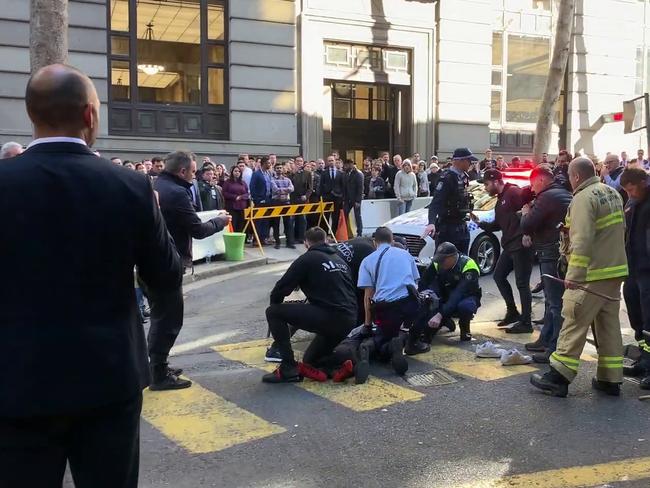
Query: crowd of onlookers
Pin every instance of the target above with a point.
(269, 181)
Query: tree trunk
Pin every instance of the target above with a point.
(564, 30)
(48, 33)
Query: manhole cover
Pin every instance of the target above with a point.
(437, 377)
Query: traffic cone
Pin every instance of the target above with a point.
(342, 228)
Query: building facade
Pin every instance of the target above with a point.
(224, 77)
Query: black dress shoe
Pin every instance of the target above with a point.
(634, 371)
(416, 347)
(175, 371)
(520, 328)
(362, 368)
(613, 389)
(539, 321)
(542, 357)
(552, 383)
(645, 383)
(511, 317)
(283, 374)
(170, 382)
(290, 246)
(537, 346)
(537, 288)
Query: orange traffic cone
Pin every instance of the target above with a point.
(342, 228)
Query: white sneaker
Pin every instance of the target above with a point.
(488, 350)
(514, 358)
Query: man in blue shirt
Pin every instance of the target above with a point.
(388, 277)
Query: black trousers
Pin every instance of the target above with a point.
(102, 446)
(330, 329)
(238, 220)
(521, 262)
(166, 323)
(338, 206)
(636, 292)
(357, 216)
(456, 233)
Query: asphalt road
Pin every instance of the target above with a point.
(482, 430)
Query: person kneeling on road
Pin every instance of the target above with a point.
(453, 278)
(330, 313)
(389, 277)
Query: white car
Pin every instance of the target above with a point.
(484, 247)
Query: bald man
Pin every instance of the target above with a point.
(595, 252)
(74, 364)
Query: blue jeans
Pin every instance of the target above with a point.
(404, 207)
(553, 292)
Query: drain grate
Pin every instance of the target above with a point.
(437, 377)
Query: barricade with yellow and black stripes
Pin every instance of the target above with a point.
(254, 213)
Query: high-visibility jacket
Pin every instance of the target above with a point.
(596, 233)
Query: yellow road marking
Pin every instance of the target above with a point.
(375, 393)
(201, 421)
(491, 330)
(466, 363)
(574, 477)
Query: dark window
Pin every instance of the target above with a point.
(168, 65)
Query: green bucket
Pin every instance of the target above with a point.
(234, 242)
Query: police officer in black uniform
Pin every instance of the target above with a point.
(451, 204)
(453, 279)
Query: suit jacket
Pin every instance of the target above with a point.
(259, 193)
(68, 314)
(180, 216)
(331, 189)
(353, 187)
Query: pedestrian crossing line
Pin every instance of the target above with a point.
(375, 393)
(489, 329)
(574, 477)
(462, 361)
(202, 421)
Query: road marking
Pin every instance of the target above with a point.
(201, 421)
(574, 477)
(461, 361)
(375, 393)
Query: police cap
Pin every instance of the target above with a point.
(445, 250)
(463, 153)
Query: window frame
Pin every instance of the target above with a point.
(205, 110)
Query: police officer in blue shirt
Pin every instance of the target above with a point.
(389, 278)
(451, 204)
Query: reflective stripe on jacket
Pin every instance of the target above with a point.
(596, 233)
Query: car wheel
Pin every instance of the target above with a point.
(485, 251)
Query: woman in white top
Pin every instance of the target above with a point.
(423, 180)
(406, 187)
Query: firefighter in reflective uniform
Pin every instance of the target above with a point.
(598, 262)
(451, 204)
(452, 278)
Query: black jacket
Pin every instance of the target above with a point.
(182, 221)
(324, 278)
(454, 285)
(548, 210)
(353, 252)
(637, 238)
(507, 218)
(70, 323)
(211, 197)
(331, 189)
(353, 187)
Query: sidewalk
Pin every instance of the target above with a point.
(253, 258)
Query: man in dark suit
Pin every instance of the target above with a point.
(74, 367)
(331, 186)
(353, 193)
(174, 192)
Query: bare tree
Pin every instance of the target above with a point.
(563, 32)
(48, 32)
